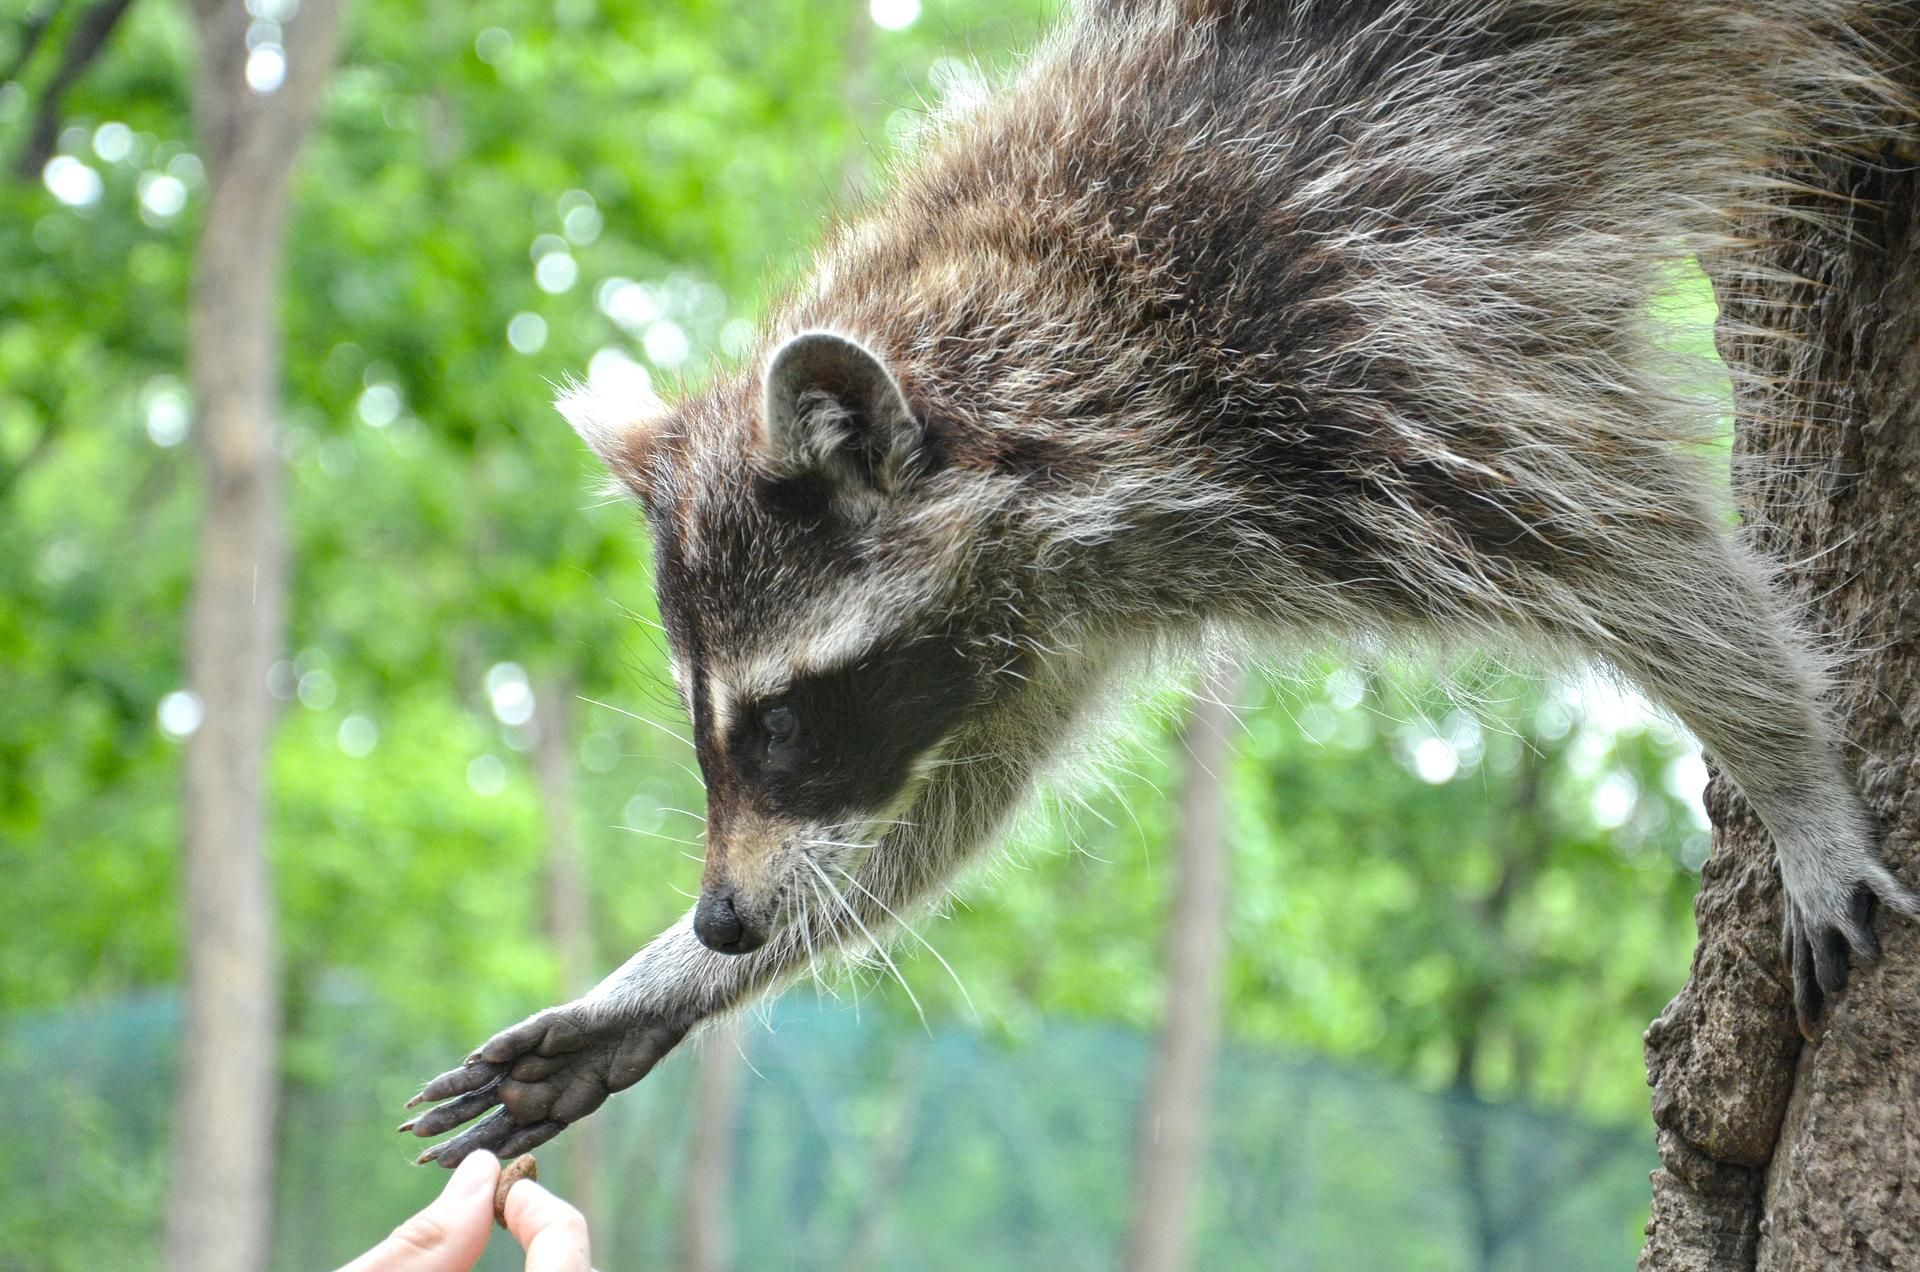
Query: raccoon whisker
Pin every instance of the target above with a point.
(661, 695)
(928, 945)
(634, 615)
(803, 928)
(684, 813)
(852, 851)
(652, 724)
(658, 689)
(684, 767)
(889, 823)
(765, 1020)
(811, 917)
(654, 834)
(867, 932)
(959, 761)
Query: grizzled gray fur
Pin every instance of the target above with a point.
(1291, 322)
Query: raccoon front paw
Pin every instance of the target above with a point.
(1829, 919)
(545, 1073)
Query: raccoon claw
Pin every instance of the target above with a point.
(1818, 940)
(544, 1073)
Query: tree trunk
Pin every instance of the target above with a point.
(89, 40)
(219, 1203)
(858, 104)
(1170, 1139)
(706, 1220)
(887, 1163)
(1777, 1154)
(569, 908)
(1521, 848)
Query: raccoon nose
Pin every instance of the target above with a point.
(717, 922)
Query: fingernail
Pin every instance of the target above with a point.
(473, 1175)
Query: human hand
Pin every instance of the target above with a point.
(450, 1234)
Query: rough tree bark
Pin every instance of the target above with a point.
(1777, 1154)
(219, 1202)
(1170, 1138)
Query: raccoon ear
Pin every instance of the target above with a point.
(834, 410)
(613, 430)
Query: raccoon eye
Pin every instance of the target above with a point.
(780, 724)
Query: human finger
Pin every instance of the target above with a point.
(449, 1233)
(553, 1232)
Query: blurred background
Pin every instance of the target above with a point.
(1352, 974)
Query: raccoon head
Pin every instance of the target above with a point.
(817, 561)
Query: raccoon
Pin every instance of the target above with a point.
(1292, 320)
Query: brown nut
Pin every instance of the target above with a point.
(512, 1173)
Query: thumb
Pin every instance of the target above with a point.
(447, 1236)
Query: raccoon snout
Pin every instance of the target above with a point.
(719, 925)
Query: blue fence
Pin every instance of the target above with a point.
(859, 1143)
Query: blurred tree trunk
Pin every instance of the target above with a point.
(1521, 849)
(91, 31)
(1777, 1154)
(886, 1166)
(569, 906)
(706, 1218)
(1170, 1139)
(219, 1205)
(858, 102)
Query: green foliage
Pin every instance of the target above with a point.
(1491, 893)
